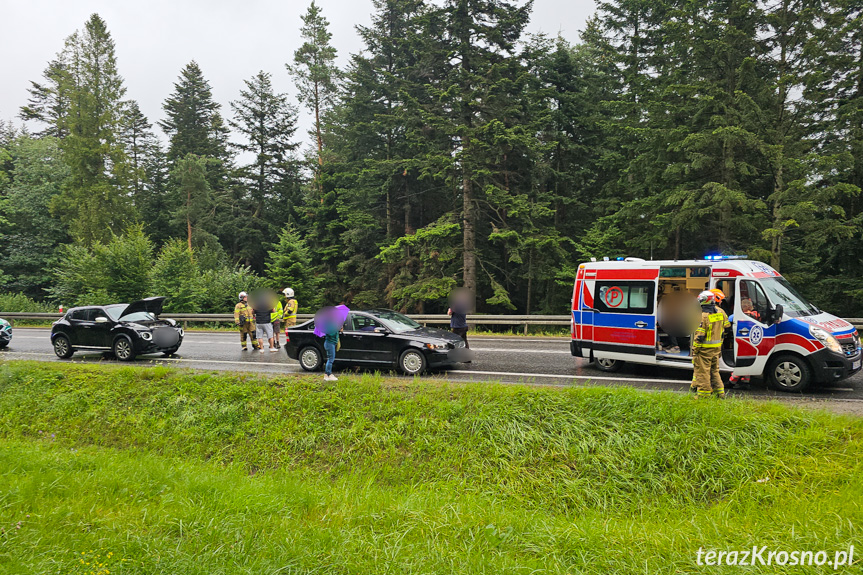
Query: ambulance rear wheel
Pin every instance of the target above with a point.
(789, 372)
(608, 365)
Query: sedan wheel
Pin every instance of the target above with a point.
(310, 359)
(62, 347)
(412, 362)
(123, 349)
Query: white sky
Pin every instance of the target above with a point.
(230, 40)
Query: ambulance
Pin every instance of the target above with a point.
(778, 335)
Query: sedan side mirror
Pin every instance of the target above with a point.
(381, 330)
(101, 319)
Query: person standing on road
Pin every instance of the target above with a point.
(457, 312)
(289, 318)
(263, 308)
(707, 347)
(244, 319)
(275, 319)
(331, 346)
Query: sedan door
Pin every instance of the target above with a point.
(367, 341)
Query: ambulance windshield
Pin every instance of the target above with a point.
(780, 292)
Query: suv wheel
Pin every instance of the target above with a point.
(412, 362)
(63, 347)
(123, 349)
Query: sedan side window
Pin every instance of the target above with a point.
(363, 323)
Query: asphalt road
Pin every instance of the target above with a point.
(540, 361)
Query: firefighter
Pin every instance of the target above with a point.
(244, 319)
(276, 319)
(289, 318)
(707, 346)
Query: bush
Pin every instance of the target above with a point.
(18, 302)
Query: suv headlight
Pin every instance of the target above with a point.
(828, 340)
(182, 332)
(146, 335)
(436, 346)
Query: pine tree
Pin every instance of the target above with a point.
(197, 210)
(476, 94)
(315, 71)
(94, 202)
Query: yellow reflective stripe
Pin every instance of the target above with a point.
(710, 344)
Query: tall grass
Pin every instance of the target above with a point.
(188, 472)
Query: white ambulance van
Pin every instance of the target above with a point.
(778, 335)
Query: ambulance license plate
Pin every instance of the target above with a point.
(856, 364)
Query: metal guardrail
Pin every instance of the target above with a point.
(425, 319)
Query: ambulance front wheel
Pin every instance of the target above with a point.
(608, 365)
(789, 372)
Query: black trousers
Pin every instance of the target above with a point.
(462, 332)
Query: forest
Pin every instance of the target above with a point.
(454, 150)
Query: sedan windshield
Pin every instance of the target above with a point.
(115, 311)
(398, 323)
(780, 292)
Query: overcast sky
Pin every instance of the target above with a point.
(230, 39)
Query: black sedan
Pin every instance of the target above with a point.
(127, 330)
(379, 338)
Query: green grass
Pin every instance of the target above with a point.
(182, 472)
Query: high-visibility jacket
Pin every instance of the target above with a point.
(290, 315)
(712, 327)
(276, 314)
(243, 313)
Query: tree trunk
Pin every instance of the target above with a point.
(778, 225)
(469, 241)
(189, 217)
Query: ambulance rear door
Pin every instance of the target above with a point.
(624, 316)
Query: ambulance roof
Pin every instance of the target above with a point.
(749, 268)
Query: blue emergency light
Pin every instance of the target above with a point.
(717, 258)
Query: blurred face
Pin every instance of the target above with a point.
(746, 305)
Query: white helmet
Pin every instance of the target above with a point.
(243, 294)
(706, 297)
(288, 292)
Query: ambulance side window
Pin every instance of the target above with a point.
(753, 301)
(624, 297)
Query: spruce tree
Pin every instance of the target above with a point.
(49, 102)
(94, 200)
(193, 123)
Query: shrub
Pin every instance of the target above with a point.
(18, 302)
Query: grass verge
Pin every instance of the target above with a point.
(182, 472)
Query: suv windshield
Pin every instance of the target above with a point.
(397, 322)
(115, 311)
(780, 292)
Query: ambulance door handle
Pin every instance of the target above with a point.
(640, 324)
(744, 331)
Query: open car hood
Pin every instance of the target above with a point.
(150, 304)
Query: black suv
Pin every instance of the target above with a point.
(127, 330)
